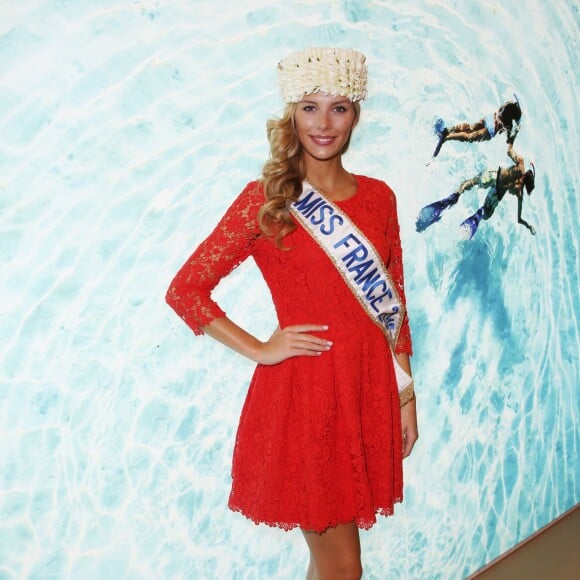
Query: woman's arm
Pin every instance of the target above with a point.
(521, 220)
(395, 268)
(513, 155)
(409, 426)
(403, 348)
(230, 243)
(189, 293)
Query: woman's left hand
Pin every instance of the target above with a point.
(409, 427)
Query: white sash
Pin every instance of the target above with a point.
(358, 263)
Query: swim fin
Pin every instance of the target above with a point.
(470, 225)
(439, 127)
(442, 132)
(432, 213)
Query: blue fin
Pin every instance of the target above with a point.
(439, 127)
(440, 143)
(441, 132)
(432, 213)
(470, 225)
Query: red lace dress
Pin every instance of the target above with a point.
(319, 438)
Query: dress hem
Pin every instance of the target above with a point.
(363, 523)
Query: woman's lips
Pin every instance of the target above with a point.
(323, 141)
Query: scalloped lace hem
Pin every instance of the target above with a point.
(363, 523)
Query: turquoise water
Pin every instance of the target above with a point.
(126, 128)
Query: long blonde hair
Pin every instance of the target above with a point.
(283, 173)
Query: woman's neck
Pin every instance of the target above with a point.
(336, 184)
(328, 175)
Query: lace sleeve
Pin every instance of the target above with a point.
(395, 268)
(229, 244)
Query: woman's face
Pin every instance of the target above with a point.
(323, 124)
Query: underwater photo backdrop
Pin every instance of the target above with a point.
(127, 127)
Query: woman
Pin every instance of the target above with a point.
(498, 181)
(322, 432)
(506, 118)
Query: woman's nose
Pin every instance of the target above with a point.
(323, 120)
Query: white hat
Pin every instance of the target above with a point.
(335, 71)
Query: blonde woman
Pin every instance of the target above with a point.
(330, 412)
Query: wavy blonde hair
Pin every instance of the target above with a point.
(283, 173)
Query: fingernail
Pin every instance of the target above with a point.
(324, 327)
(329, 342)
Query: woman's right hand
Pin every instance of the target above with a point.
(292, 341)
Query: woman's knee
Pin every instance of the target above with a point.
(349, 571)
(336, 571)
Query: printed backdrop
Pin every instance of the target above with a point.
(126, 129)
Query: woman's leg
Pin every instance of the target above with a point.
(465, 128)
(334, 554)
(470, 136)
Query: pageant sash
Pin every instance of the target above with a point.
(359, 264)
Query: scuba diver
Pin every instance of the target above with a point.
(512, 179)
(506, 118)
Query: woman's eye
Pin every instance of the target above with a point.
(341, 109)
(308, 108)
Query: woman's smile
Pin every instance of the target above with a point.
(323, 124)
(322, 140)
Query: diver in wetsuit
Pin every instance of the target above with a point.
(506, 118)
(512, 179)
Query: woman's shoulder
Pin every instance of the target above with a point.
(242, 213)
(376, 187)
(254, 190)
(246, 205)
(251, 197)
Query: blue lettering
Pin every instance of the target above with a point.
(360, 269)
(378, 283)
(384, 318)
(388, 319)
(321, 211)
(358, 254)
(330, 229)
(316, 205)
(307, 205)
(367, 280)
(379, 299)
(344, 241)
